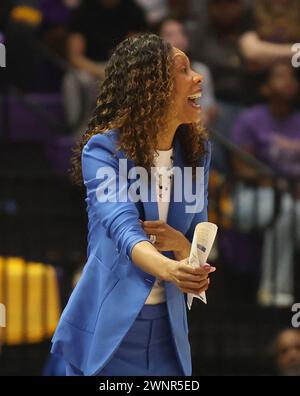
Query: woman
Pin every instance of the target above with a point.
(127, 315)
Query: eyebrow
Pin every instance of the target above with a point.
(184, 57)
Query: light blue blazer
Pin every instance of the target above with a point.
(112, 289)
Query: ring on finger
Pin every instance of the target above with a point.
(152, 238)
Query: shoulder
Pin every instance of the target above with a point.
(106, 140)
(100, 150)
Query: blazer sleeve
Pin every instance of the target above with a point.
(119, 219)
(202, 216)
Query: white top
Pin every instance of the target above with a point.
(163, 165)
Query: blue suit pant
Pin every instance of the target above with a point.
(147, 349)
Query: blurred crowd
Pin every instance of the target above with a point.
(251, 99)
(56, 52)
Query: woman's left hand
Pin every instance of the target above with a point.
(167, 238)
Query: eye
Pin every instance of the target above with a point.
(184, 69)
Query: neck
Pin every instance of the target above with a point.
(280, 109)
(166, 137)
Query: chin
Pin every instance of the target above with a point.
(195, 117)
(190, 115)
(192, 120)
(195, 120)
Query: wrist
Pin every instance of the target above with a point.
(167, 269)
(183, 248)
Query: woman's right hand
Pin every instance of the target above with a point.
(180, 273)
(187, 278)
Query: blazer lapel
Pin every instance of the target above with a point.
(177, 216)
(149, 211)
(150, 207)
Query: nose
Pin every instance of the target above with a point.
(198, 78)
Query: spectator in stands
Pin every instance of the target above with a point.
(155, 10)
(179, 8)
(5, 7)
(216, 44)
(271, 132)
(33, 27)
(56, 15)
(173, 31)
(23, 60)
(196, 16)
(286, 352)
(95, 28)
(99, 25)
(277, 28)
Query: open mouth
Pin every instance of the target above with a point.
(194, 100)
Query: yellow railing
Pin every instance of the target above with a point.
(29, 292)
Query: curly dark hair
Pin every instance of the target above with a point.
(134, 98)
